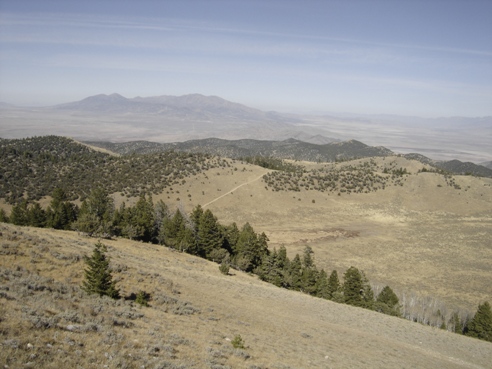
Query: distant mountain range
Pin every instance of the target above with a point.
(193, 107)
(166, 119)
(288, 149)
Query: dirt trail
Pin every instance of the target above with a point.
(234, 189)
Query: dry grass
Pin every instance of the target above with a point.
(424, 237)
(195, 312)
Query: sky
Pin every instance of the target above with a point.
(427, 58)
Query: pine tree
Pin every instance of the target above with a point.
(309, 273)
(322, 289)
(141, 219)
(98, 279)
(481, 324)
(387, 302)
(96, 214)
(367, 292)
(36, 216)
(3, 216)
(293, 275)
(60, 213)
(18, 214)
(333, 284)
(456, 323)
(353, 287)
(209, 234)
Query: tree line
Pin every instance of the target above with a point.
(199, 233)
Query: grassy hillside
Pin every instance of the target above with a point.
(425, 234)
(194, 314)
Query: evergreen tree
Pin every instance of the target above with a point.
(195, 217)
(250, 249)
(231, 236)
(333, 285)
(274, 267)
(98, 278)
(293, 275)
(96, 214)
(353, 287)
(481, 324)
(322, 287)
(36, 216)
(60, 213)
(161, 211)
(367, 292)
(387, 302)
(19, 214)
(456, 323)
(141, 219)
(3, 216)
(309, 273)
(174, 229)
(119, 220)
(209, 234)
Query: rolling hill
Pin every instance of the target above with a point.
(291, 149)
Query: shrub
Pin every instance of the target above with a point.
(238, 342)
(224, 268)
(142, 298)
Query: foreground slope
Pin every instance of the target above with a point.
(46, 321)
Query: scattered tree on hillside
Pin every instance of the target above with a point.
(387, 302)
(481, 324)
(98, 279)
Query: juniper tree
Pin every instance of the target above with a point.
(98, 279)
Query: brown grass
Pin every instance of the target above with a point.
(424, 237)
(195, 312)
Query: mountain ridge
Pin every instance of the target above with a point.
(167, 118)
(291, 149)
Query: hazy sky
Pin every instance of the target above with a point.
(426, 58)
